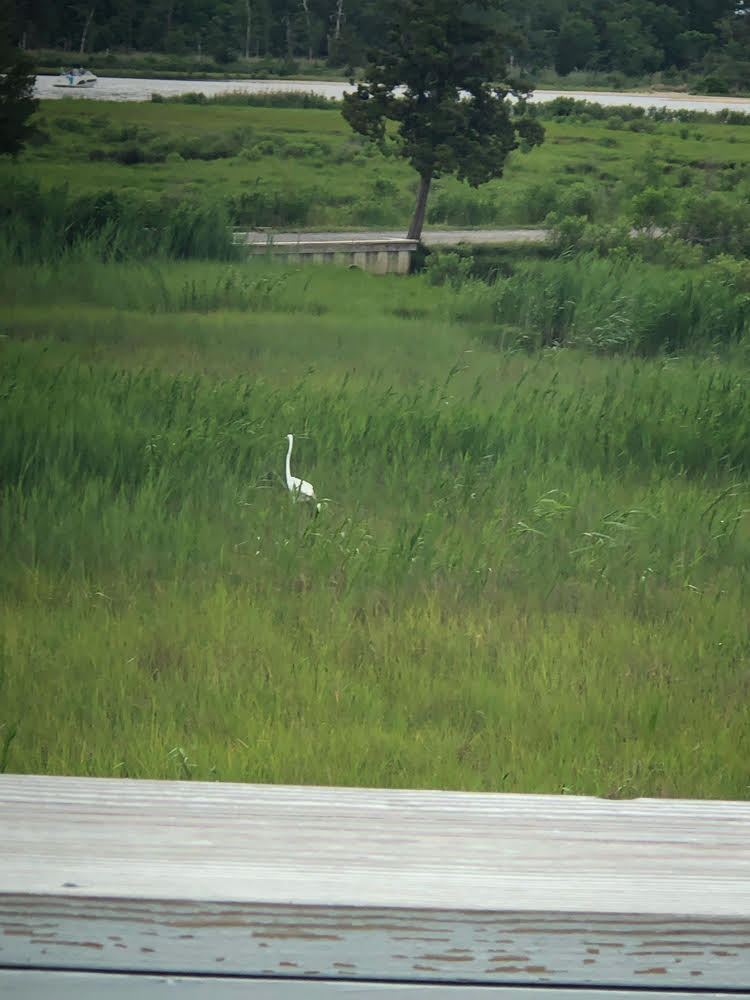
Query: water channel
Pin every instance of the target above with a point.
(116, 89)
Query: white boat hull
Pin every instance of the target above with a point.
(75, 80)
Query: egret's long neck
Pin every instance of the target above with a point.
(288, 462)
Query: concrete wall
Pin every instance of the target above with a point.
(376, 256)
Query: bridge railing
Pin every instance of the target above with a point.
(378, 256)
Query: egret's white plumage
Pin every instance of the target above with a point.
(299, 488)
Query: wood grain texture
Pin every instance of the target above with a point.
(173, 877)
(31, 985)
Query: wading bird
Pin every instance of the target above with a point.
(299, 488)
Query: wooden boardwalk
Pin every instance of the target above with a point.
(366, 892)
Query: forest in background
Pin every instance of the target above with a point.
(705, 40)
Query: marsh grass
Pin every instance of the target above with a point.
(620, 302)
(302, 167)
(531, 571)
(42, 226)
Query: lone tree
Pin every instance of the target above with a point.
(441, 75)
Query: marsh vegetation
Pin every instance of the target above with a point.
(532, 573)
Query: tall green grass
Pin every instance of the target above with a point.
(42, 225)
(621, 302)
(530, 571)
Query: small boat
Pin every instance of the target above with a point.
(75, 78)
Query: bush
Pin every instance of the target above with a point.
(535, 202)
(716, 222)
(652, 207)
(579, 200)
(448, 267)
(713, 84)
(574, 234)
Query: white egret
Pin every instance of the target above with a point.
(299, 488)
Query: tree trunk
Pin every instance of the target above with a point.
(417, 220)
(86, 27)
(306, 8)
(339, 18)
(247, 29)
(287, 22)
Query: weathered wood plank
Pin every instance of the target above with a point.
(189, 878)
(33, 984)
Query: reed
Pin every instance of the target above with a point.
(530, 573)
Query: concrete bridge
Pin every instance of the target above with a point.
(378, 252)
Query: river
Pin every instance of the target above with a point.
(116, 89)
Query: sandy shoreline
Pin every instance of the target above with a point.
(677, 95)
(661, 95)
(129, 89)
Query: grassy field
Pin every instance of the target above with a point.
(304, 168)
(531, 571)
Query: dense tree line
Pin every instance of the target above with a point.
(631, 37)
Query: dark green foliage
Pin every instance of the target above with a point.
(576, 44)
(713, 85)
(17, 105)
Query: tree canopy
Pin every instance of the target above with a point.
(439, 76)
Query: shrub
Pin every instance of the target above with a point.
(716, 222)
(579, 200)
(713, 84)
(535, 203)
(448, 267)
(652, 207)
